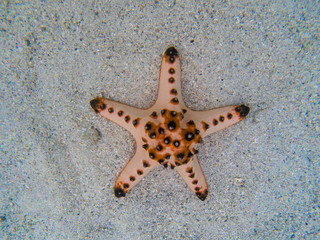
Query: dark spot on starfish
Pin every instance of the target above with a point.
(171, 59)
(103, 106)
(186, 161)
(176, 143)
(94, 103)
(195, 182)
(184, 110)
(215, 122)
(119, 192)
(190, 123)
(197, 131)
(126, 185)
(171, 126)
(243, 110)
(196, 151)
(190, 154)
(171, 80)
(174, 91)
(154, 115)
(173, 113)
(151, 155)
(171, 52)
(191, 175)
(145, 146)
(152, 135)
(177, 163)
(189, 169)
(166, 140)
(189, 136)
(135, 122)
(127, 118)
(145, 164)
(161, 130)
(174, 100)
(110, 110)
(197, 189)
(147, 126)
(139, 172)
(205, 126)
(144, 140)
(161, 161)
(172, 71)
(202, 196)
(180, 156)
(163, 111)
(120, 113)
(221, 118)
(167, 156)
(132, 179)
(229, 116)
(165, 165)
(172, 166)
(159, 147)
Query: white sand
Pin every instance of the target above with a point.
(59, 160)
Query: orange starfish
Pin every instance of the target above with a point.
(167, 133)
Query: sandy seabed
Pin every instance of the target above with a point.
(59, 160)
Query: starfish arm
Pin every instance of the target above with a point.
(216, 119)
(125, 116)
(169, 92)
(193, 176)
(137, 168)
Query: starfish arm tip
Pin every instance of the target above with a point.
(119, 192)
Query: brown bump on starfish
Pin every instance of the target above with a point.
(119, 192)
(146, 164)
(110, 110)
(221, 118)
(171, 80)
(135, 122)
(202, 195)
(98, 105)
(190, 123)
(205, 126)
(127, 118)
(170, 55)
(173, 91)
(139, 172)
(172, 71)
(154, 115)
(120, 113)
(215, 122)
(191, 175)
(132, 178)
(229, 116)
(242, 110)
(175, 101)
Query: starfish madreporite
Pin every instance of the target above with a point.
(167, 133)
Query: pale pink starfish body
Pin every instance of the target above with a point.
(167, 133)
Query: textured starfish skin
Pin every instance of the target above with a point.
(167, 133)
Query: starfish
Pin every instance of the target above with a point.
(167, 133)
